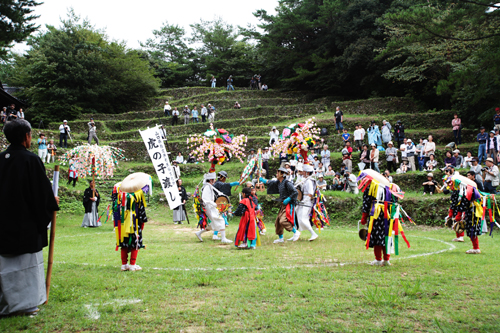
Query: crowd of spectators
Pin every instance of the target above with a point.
(207, 113)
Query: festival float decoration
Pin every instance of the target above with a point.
(297, 139)
(94, 160)
(218, 145)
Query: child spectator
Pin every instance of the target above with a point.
(338, 184)
(330, 171)
(51, 148)
(403, 168)
(321, 182)
(42, 147)
(346, 136)
(430, 184)
(72, 175)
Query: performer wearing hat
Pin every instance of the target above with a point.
(225, 188)
(210, 207)
(288, 198)
(306, 204)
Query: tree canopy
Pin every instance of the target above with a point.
(74, 69)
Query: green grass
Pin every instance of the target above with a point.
(323, 286)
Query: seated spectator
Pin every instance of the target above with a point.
(321, 184)
(338, 184)
(191, 159)
(321, 168)
(431, 163)
(351, 183)
(476, 168)
(449, 160)
(459, 159)
(467, 161)
(472, 176)
(179, 159)
(403, 168)
(237, 105)
(387, 175)
(430, 184)
(264, 87)
(330, 171)
(316, 162)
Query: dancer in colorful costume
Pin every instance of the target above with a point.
(208, 196)
(225, 188)
(468, 210)
(305, 206)
(247, 236)
(383, 213)
(129, 213)
(259, 213)
(288, 198)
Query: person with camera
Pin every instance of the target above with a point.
(63, 134)
(187, 114)
(351, 183)
(490, 176)
(472, 176)
(92, 132)
(230, 83)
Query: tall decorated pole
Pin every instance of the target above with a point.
(93, 175)
(297, 139)
(55, 189)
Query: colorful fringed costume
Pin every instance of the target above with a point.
(384, 216)
(129, 213)
(247, 235)
(259, 215)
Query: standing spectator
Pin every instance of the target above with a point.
(237, 105)
(419, 149)
(358, 137)
(315, 163)
(399, 133)
(346, 156)
(459, 159)
(230, 83)
(449, 160)
(274, 135)
(252, 155)
(179, 159)
(492, 146)
(293, 162)
(374, 154)
(265, 161)
(496, 119)
(467, 162)
(386, 133)
(346, 136)
(431, 164)
(11, 113)
(430, 184)
(92, 132)
(402, 149)
(429, 149)
(28, 206)
(20, 114)
(175, 116)
(186, 113)
(325, 156)
(365, 157)
(481, 139)
(265, 87)
(3, 115)
(374, 135)
(72, 175)
(51, 152)
(194, 115)
(42, 147)
(204, 113)
(177, 170)
(339, 118)
(410, 154)
(63, 134)
(476, 168)
(259, 81)
(211, 113)
(253, 83)
(167, 108)
(391, 154)
(457, 129)
(490, 174)
(213, 81)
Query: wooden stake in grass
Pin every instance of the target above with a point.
(55, 187)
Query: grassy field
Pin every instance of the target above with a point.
(322, 286)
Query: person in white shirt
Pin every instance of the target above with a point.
(402, 148)
(203, 113)
(300, 164)
(175, 116)
(410, 153)
(179, 159)
(358, 137)
(213, 81)
(351, 183)
(467, 162)
(177, 170)
(491, 180)
(429, 149)
(63, 134)
(265, 161)
(211, 113)
(167, 108)
(274, 135)
(293, 163)
(208, 196)
(290, 175)
(20, 114)
(306, 204)
(325, 156)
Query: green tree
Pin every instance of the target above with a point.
(74, 69)
(170, 56)
(16, 22)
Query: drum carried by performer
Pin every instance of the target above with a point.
(208, 197)
(223, 201)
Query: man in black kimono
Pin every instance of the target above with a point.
(23, 224)
(225, 188)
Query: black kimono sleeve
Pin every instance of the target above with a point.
(240, 210)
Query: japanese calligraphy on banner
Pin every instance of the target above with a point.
(156, 148)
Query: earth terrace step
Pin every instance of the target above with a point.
(185, 92)
(374, 106)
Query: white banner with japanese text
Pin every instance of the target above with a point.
(156, 148)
